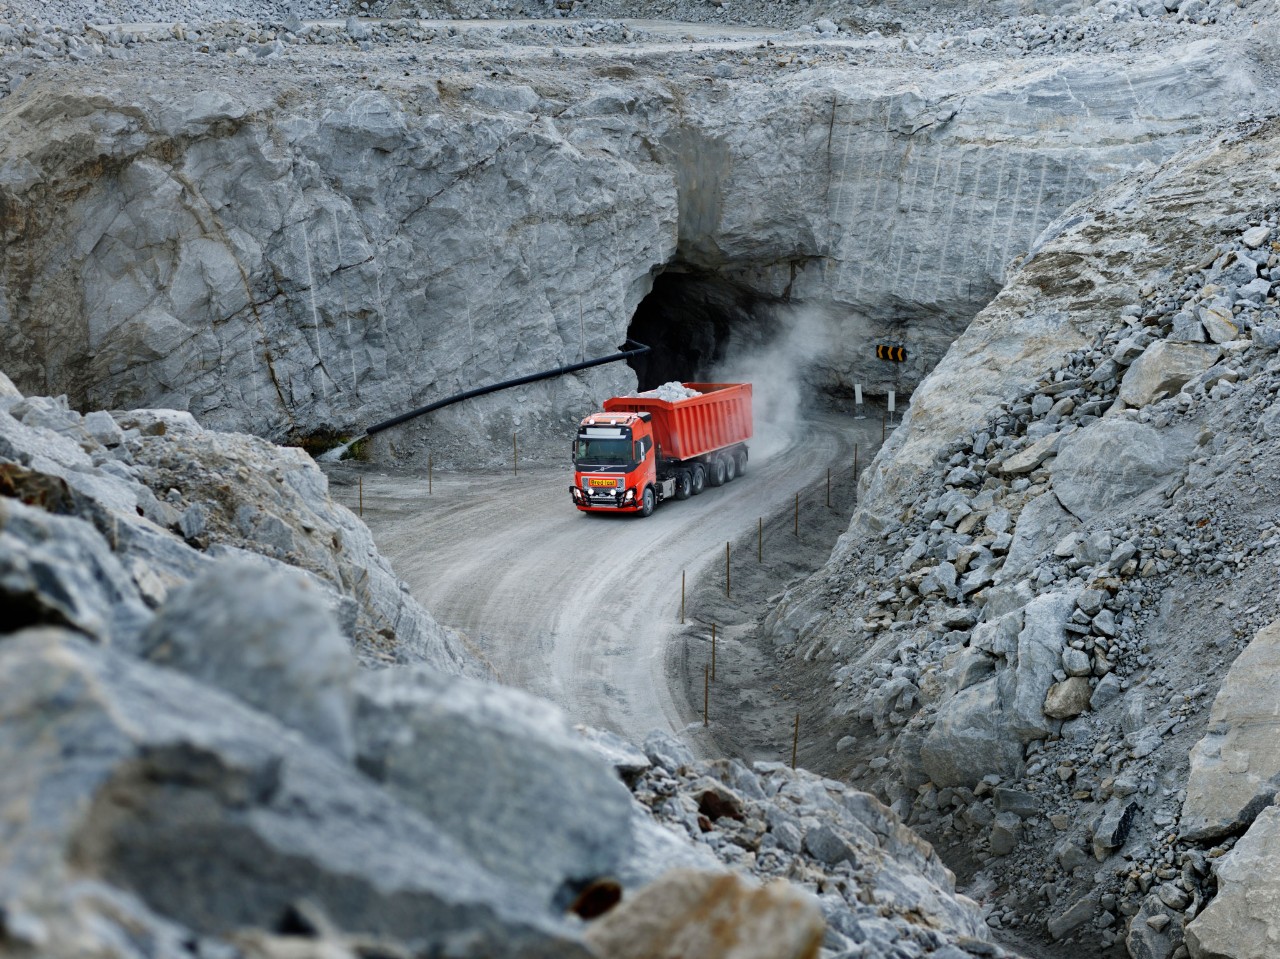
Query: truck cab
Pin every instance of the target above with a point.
(615, 464)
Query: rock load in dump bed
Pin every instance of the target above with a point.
(671, 392)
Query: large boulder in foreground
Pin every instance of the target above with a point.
(267, 637)
(503, 772)
(1235, 768)
(205, 813)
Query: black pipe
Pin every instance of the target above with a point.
(507, 384)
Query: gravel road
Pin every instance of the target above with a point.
(582, 609)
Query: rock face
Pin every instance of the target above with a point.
(1235, 768)
(286, 263)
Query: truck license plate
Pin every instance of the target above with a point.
(602, 482)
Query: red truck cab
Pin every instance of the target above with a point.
(615, 464)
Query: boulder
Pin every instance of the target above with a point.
(1235, 767)
(1026, 460)
(1240, 922)
(1155, 932)
(1103, 469)
(266, 637)
(1067, 699)
(984, 727)
(523, 794)
(1040, 646)
(1113, 826)
(1043, 523)
(217, 818)
(1163, 368)
(711, 916)
(60, 571)
(1219, 322)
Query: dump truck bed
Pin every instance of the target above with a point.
(693, 427)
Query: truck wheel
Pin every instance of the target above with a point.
(716, 477)
(697, 479)
(730, 469)
(740, 459)
(647, 502)
(683, 485)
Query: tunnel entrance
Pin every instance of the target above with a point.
(695, 323)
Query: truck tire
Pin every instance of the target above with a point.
(740, 458)
(684, 485)
(730, 469)
(716, 474)
(647, 501)
(697, 479)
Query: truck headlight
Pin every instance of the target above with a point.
(630, 496)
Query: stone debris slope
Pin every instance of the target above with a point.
(195, 764)
(1059, 555)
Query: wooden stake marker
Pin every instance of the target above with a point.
(795, 742)
(706, 695)
(828, 487)
(797, 515)
(681, 597)
(760, 540)
(727, 594)
(855, 462)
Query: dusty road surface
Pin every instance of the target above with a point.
(584, 609)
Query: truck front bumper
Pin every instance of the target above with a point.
(605, 502)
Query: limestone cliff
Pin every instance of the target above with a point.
(292, 249)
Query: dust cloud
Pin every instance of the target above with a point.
(776, 369)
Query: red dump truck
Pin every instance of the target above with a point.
(644, 449)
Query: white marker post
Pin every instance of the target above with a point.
(892, 397)
(857, 402)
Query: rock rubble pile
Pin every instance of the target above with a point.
(1029, 649)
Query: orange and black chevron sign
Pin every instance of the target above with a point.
(895, 354)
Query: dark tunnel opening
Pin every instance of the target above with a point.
(695, 323)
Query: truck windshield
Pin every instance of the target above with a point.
(598, 451)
